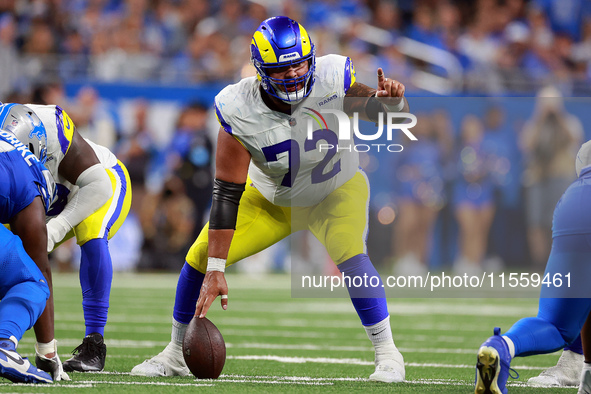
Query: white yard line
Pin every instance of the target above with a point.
(285, 380)
(209, 382)
(116, 343)
(295, 378)
(356, 361)
(95, 382)
(273, 382)
(302, 360)
(159, 325)
(325, 360)
(344, 348)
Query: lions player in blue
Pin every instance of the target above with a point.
(564, 305)
(272, 180)
(26, 191)
(93, 199)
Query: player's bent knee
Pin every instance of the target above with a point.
(342, 247)
(37, 291)
(30, 295)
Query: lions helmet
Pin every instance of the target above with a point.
(280, 42)
(26, 125)
(583, 159)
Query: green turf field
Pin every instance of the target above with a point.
(279, 344)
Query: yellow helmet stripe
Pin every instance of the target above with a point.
(306, 45)
(66, 134)
(266, 50)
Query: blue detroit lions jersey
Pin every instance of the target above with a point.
(22, 178)
(571, 215)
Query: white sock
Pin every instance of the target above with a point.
(13, 340)
(380, 332)
(380, 335)
(386, 350)
(178, 332)
(46, 348)
(511, 345)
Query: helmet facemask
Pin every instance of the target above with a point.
(279, 88)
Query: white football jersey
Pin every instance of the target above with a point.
(286, 167)
(60, 129)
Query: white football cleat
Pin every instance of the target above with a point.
(389, 370)
(585, 385)
(566, 372)
(169, 362)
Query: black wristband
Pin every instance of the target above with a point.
(373, 108)
(224, 206)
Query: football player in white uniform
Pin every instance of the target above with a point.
(93, 199)
(272, 179)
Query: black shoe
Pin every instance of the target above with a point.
(89, 356)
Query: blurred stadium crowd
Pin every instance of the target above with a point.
(441, 45)
(480, 169)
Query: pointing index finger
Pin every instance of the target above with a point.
(380, 75)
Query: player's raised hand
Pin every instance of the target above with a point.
(214, 284)
(389, 87)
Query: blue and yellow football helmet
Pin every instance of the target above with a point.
(279, 42)
(26, 125)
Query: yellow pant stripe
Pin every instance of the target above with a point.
(112, 213)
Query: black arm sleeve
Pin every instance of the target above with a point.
(224, 206)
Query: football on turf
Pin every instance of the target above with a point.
(204, 349)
